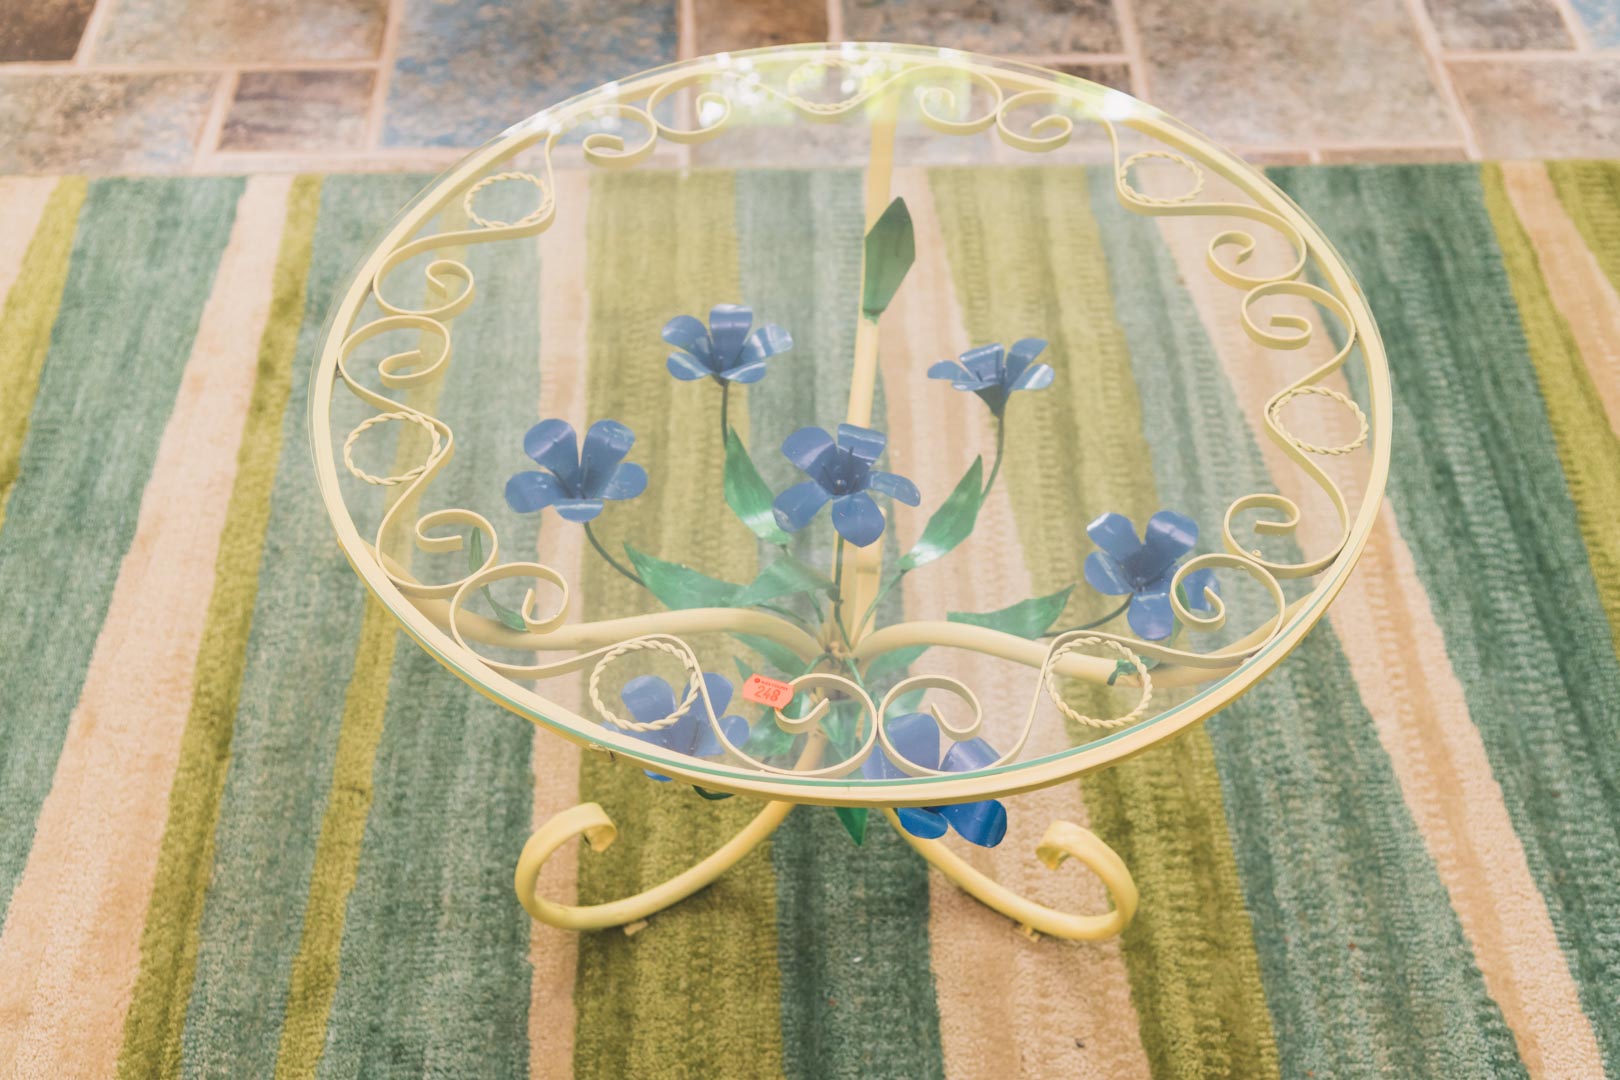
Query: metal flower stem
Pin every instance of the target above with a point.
(725, 402)
(1001, 445)
(615, 563)
(1093, 624)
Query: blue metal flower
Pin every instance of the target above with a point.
(650, 699)
(577, 482)
(994, 374)
(916, 737)
(724, 350)
(841, 473)
(1143, 569)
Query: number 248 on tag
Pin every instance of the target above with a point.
(764, 690)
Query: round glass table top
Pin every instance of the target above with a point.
(855, 424)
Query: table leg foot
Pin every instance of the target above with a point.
(591, 821)
(1063, 840)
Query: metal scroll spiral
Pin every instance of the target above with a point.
(945, 95)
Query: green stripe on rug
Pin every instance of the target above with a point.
(1072, 453)
(26, 321)
(696, 992)
(169, 941)
(1329, 854)
(300, 654)
(1590, 192)
(852, 922)
(120, 343)
(1483, 501)
(433, 977)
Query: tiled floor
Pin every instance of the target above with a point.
(253, 85)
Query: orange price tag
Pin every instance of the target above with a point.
(764, 690)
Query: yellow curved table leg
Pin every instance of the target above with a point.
(591, 821)
(1063, 840)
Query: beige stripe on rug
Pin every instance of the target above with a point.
(71, 944)
(564, 311)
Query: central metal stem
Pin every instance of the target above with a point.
(860, 582)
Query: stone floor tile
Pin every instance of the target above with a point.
(1499, 24)
(1292, 72)
(298, 111)
(42, 29)
(1542, 108)
(258, 31)
(1003, 27)
(467, 70)
(101, 123)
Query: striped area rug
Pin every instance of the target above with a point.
(246, 830)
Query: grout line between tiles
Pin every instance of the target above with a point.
(385, 72)
(1429, 41)
(835, 20)
(214, 122)
(92, 29)
(1131, 41)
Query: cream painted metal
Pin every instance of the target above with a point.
(953, 94)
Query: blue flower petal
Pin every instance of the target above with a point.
(728, 327)
(985, 362)
(704, 743)
(961, 378)
(1019, 358)
(863, 444)
(920, 821)
(530, 491)
(660, 777)
(1195, 583)
(809, 448)
(1168, 537)
(1034, 377)
(1104, 575)
(719, 688)
(916, 737)
(750, 371)
(579, 510)
(879, 767)
(1150, 615)
(708, 744)
(686, 368)
(606, 443)
(551, 444)
(648, 698)
(628, 481)
(857, 518)
(968, 756)
(982, 823)
(894, 486)
(1115, 534)
(689, 333)
(766, 342)
(798, 504)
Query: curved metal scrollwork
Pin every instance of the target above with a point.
(955, 97)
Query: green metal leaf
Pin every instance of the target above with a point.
(890, 662)
(746, 493)
(678, 586)
(1027, 618)
(780, 656)
(508, 617)
(712, 796)
(786, 576)
(854, 820)
(952, 522)
(891, 248)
